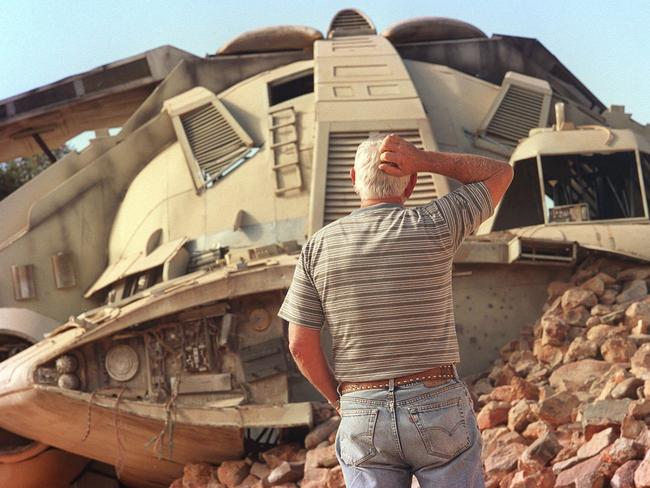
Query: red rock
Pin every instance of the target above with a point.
(622, 450)
(609, 297)
(641, 362)
(554, 331)
(576, 317)
(642, 473)
(249, 482)
(503, 459)
(198, 475)
(493, 414)
(177, 483)
(536, 429)
(635, 290)
(506, 480)
(631, 428)
(323, 457)
(322, 432)
(548, 354)
(617, 350)
(564, 464)
(595, 284)
(636, 313)
(587, 474)
(558, 409)
(630, 274)
(597, 443)
(501, 394)
(232, 473)
(315, 478)
(575, 297)
(283, 452)
(627, 388)
(624, 476)
(640, 409)
(260, 470)
(522, 389)
(489, 438)
(578, 376)
(519, 416)
(502, 375)
(540, 479)
(580, 348)
(539, 453)
(285, 473)
(335, 478)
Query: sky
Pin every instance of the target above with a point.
(605, 44)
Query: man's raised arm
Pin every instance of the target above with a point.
(400, 158)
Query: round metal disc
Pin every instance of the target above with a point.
(260, 319)
(122, 362)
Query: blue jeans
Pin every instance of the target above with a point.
(388, 435)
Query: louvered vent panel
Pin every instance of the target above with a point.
(214, 142)
(518, 112)
(350, 20)
(340, 198)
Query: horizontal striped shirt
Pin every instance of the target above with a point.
(381, 279)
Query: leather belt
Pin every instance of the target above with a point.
(445, 371)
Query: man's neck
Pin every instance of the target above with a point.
(374, 201)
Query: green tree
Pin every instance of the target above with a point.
(17, 172)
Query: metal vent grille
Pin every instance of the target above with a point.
(519, 111)
(350, 22)
(340, 198)
(214, 142)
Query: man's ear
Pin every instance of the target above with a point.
(411, 184)
(353, 175)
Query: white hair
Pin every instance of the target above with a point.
(370, 181)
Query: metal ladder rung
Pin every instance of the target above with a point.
(284, 165)
(284, 124)
(284, 143)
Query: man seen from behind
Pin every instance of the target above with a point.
(381, 278)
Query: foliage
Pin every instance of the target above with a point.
(15, 173)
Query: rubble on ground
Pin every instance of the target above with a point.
(288, 465)
(568, 403)
(565, 405)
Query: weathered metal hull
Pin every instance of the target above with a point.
(147, 442)
(132, 443)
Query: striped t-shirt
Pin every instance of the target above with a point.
(381, 278)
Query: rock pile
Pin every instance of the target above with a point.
(568, 404)
(313, 465)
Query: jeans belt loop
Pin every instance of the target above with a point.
(391, 385)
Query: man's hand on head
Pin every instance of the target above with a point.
(398, 156)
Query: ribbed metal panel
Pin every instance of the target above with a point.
(340, 198)
(519, 111)
(350, 20)
(214, 142)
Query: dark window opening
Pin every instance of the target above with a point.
(288, 88)
(645, 169)
(522, 204)
(606, 186)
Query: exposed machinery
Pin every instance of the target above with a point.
(164, 251)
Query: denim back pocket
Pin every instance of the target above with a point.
(356, 434)
(442, 428)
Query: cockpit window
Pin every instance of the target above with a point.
(592, 187)
(645, 168)
(522, 203)
(291, 87)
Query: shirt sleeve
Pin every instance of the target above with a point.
(464, 209)
(302, 305)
